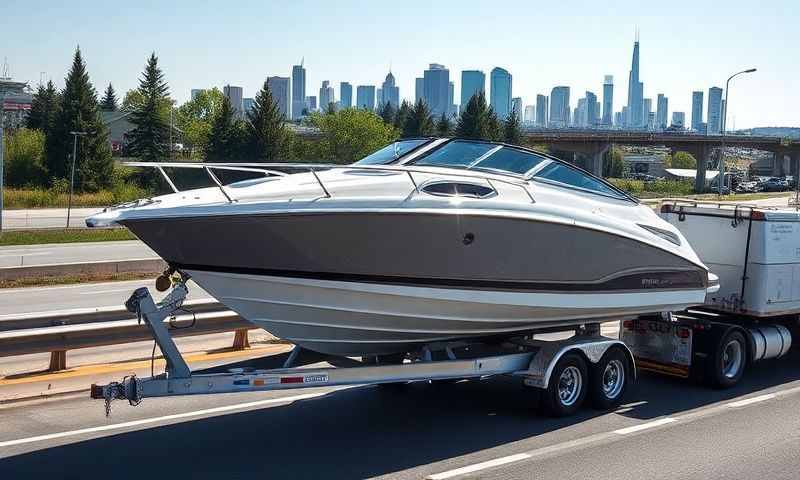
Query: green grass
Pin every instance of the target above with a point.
(25, 282)
(37, 237)
(16, 198)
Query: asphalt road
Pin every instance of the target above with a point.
(668, 429)
(27, 256)
(46, 217)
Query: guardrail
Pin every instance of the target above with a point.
(58, 333)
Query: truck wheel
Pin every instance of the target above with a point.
(729, 360)
(609, 379)
(567, 387)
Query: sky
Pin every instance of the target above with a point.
(685, 45)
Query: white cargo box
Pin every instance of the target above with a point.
(754, 251)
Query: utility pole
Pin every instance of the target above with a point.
(75, 136)
(2, 145)
(721, 175)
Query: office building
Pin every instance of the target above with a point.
(500, 92)
(542, 110)
(298, 91)
(247, 103)
(235, 95)
(608, 100)
(530, 114)
(591, 110)
(345, 95)
(516, 106)
(389, 92)
(637, 116)
(311, 103)
(326, 95)
(714, 115)
(559, 107)
(472, 82)
(365, 97)
(647, 109)
(678, 120)
(661, 112)
(419, 89)
(281, 92)
(196, 92)
(697, 111)
(437, 89)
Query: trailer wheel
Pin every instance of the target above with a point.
(567, 387)
(609, 379)
(730, 359)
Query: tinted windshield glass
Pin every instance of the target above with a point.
(560, 173)
(456, 154)
(510, 160)
(391, 152)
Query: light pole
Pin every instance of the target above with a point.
(75, 136)
(721, 175)
(2, 145)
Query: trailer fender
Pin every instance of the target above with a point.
(541, 366)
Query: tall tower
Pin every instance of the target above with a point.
(298, 90)
(608, 100)
(635, 90)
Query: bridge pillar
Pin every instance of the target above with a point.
(701, 153)
(596, 158)
(778, 165)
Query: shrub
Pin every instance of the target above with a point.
(24, 158)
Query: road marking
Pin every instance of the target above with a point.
(644, 426)
(147, 421)
(478, 466)
(748, 401)
(95, 292)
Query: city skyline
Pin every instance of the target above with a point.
(242, 55)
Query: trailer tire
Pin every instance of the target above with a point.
(567, 387)
(729, 361)
(609, 379)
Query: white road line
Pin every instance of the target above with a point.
(644, 426)
(748, 401)
(479, 466)
(146, 421)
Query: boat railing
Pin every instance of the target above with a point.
(276, 169)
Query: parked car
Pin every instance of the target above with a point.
(775, 184)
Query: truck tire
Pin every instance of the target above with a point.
(609, 379)
(729, 361)
(567, 387)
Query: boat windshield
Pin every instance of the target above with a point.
(482, 156)
(392, 152)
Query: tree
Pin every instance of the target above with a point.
(149, 139)
(494, 126)
(402, 114)
(132, 100)
(195, 118)
(444, 127)
(24, 158)
(348, 135)
(614, 164)
(44, 108)
(512, 132)
(109, 102)
(388, 113)
(226, 139)
(682, 160)
(330, 108)
(266, 134)
(78, 112)
(474, 120)
(419, 122)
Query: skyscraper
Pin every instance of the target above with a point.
(282, 93)
(500, 91)
(516, 106)
(311, 103)
(714, 116)
(345, 95)
(326, 95)
(678, 120)
(235, 96)
(697, 111)
(559, 107)
(580, 115)
(661, 112)
(608, 100)
(419, 89)
(647, 108)
(542, 110)
(472, 82)
(437, 89)
(365, 97)
(452, 108)
(298, 90)
(530, 114)
(390, 93)
(636, 115)
(196, 92)
(591, 110)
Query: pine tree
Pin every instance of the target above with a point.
(402, 114)
(226, 137)
(494, 129)
(266, 134)
(444, 127)
(419, 122)
(474, 121)
(512, 132)
(388, 113)
(44, 108)
(149, 139)
(109, 102)
(78, 112)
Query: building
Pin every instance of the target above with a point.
(281, 90)
(530, 114)
(236, 96)
(472, 82)
(714, 115)
(437, 89)
(16, 99)
(345, 95)
(500, 91)
(365, 97)
(608, 100)
(697, 111)
(592, 110)
(636, 117)
(298, 91)
(645, 164)
(451, 102)
(542, 110)
(678, 120)
(661, 112)
(419, 89)
(647, 109)
(581, 116)
(618, 121)
(248, 104)
(559, 107)
(326, 95)
(196, 92)
(311, 103)
(389, 92)
(516, 106)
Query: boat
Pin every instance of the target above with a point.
(426, 240)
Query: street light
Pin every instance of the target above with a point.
(721, 175)
(75, 136)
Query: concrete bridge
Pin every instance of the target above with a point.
(595, 143)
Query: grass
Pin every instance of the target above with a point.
(70, 279)
(72, 235)
(17, 198)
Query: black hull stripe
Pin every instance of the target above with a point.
(653, 281)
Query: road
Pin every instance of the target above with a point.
(482, 429)
(27, 256)
(46, 217)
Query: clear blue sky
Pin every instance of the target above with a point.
(685, 45)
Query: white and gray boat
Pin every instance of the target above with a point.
(425, 240)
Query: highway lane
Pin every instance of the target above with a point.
(46, 217)
(419, 431)
(27, 256)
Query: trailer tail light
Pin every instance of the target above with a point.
(291, 379)
(683, 332)
(628, 325)
(757, 215)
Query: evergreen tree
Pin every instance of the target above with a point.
(419, 122)
(109, 102)
(402, 114)
(388, 113)
(149, 139)
(266, 134)
(330, 109)
(444, 127)
(78, 112)
(494, 126)
(225, 139)
(44, 108)
(474, 121)
(512, 132)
